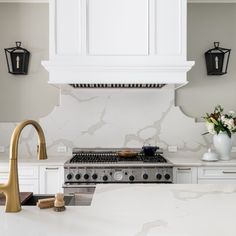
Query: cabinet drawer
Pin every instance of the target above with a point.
(4, 170)
(25, 172)
(185, 175)
(217, 172)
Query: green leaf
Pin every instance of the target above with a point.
(214, 121)
(228, 132)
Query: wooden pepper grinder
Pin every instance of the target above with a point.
(59, 204)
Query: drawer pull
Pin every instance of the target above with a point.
(184, 168)
(52, 168)
(229, 172)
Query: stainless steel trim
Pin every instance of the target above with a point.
(183, 168)
(52, 168)
(229, 172)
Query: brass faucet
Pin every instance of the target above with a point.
(11, 188)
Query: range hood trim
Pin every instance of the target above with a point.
(158, 74)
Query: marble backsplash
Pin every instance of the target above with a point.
(112, 118)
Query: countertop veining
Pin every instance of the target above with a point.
(135, 210)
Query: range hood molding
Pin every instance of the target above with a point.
(149, 48)
(159, 74)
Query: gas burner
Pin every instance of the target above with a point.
(94, 157)
(112, 157)
(95, 166)
(154, 159)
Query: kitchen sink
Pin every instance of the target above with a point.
(70, 200)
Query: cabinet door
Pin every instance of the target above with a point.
(28, 185)
(51, 179)
(217, 175)
(118, 27)
(185, 175)
(28, 177)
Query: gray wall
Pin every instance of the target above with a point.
(208, 23)
(24, 97)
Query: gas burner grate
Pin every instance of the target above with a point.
(156, 158)
(112, 157)
(94, 157)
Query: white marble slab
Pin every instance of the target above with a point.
(192, 160)
(112, 118)
(135, 210)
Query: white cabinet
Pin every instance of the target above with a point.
(215, 175)
(51, 179)
(37, 179)
(117, 41)
(28, 177)
(185, 175)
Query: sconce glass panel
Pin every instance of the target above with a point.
(17, 59)
(217, 60)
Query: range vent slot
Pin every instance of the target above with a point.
(157, 86)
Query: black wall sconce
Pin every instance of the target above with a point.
(217, 60)
(17, 59)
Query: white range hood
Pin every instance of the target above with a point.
(118, 42)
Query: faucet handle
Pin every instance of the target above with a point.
(42, 152)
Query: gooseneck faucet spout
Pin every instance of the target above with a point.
(11, 188)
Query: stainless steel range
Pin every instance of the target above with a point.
(90, 167)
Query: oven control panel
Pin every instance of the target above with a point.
(118, 175)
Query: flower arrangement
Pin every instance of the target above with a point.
(217, 122)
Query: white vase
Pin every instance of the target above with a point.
(223, 145)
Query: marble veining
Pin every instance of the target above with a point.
(138, 210)
(113, 118)
(150, 225)
(186, 195)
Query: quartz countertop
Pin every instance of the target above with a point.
(175, 158)
(178, 160)
(134, 210)
(52, 160)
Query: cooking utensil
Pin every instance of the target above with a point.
(127, 153)
(149, 150)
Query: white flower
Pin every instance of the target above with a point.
(210, 128)
(229, 123)
(231, 112)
